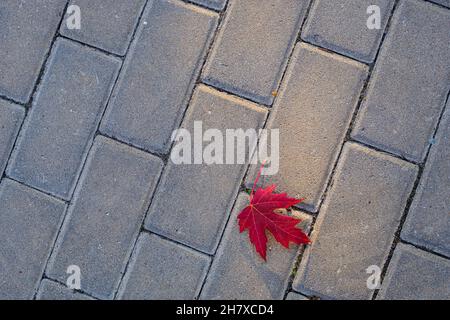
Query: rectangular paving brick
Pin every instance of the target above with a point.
(194, 200)
(60, 126)
(213, 4)
(356, 225)
(253, 46)
(51, 290)
(105, 24)
(410, 82)
(238, 272)
(414, 274)
(26, 32)
(428, 221)
(105, 217)
(313, 111)
(161, 269)
(11, 117)
(29, 222)
(341, 26)
(159, 74)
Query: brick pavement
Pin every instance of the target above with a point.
(86, 118)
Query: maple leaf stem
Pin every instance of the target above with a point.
(257, 178)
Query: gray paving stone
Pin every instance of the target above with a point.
(341, 26)
(161, 269)
(63, 119)
(105, 24)
(105, 217)
(51, 290)
(313, 111)
(159, 74)
(295, 296)
(213, 4)
(193, 200)
(414, 274)
(428, 222)
(238, 272)
(11, 117)
(356, 225)
(29, 222)
(410, 82)
(443, 2)
(253, 46)
(26, 32)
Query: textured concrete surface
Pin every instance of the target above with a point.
(11, 117)
(159, 74)
(106, 24)
(428, 223)
(161, 269)
(105, 216)
(24, 45)
(238, 272)
(253, 46)
(416, 274)
(51, 290)
(410, 82)
(194, 200)
(63, 119)
(315, 106)
(86, 173)
(29, 222)
(357, 224)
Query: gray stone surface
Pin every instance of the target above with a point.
(159, 74)
(105, 217)
(213, 4)
(26, 32)
(410, 82)
(428, 221)
(29, 221)
(194, 200)
(63, 119)
(414, 274)
(295, 296)
(238, 272)
(341, 26)
(442, 2)
(253, 46)
(313, 111)
(161, 269)
(51, 290)
(11, 117)
(356, 225)
(105, 24)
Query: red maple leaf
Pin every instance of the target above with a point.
(259, 215)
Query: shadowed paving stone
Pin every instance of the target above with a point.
(253, 46)
(26, 32)
(106, 24)
(410, 82)
(428, 222)
(29, 222)
(295, 296)
(104, 219)
(414, 274)
(341, 26)
(313, 111)
(11, 117)
(159, 74)
(356, 225)
(160, 269)
(51, 290)
(213, 4)
(238, 272)
(59, 129)
(194, 200)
